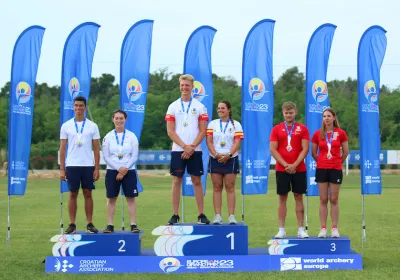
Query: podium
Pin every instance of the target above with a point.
(309, 246)
(192, 248)
(119, 243)
(197, 240)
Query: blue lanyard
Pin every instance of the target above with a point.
(226, 126)
(329, 140)
(123, 137)
(183, 108)
(291, 130)
(76, 126)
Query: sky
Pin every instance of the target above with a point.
(175, 20)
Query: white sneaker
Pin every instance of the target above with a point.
(232, 220)
(323, 233)
(281, 234)
(217, 219)
(335, 233)
(302, 234)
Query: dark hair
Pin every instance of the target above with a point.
(80, 98)
(120, 111)
(229, 106)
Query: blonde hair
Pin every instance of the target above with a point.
(323, 127)
(289, 106)
(187, 77)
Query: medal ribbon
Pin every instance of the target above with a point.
(329, 141)
(122, 142)
(289, 133)
(77, 130)
(187, 110)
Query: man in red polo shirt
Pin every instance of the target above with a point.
(289, 146)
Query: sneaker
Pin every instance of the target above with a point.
(323, 233)
(174, 219)
(217, 219)
(281, 234)
(335, 233)
(202, 220)
(109, 229)
(71, 229)
(232, 220)
(302, 234)
(90, 228)
(135, 229)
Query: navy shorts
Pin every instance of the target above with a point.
(230, 167)
(333, 176)
(80, 176)
(129, 184)
(285, 182)
(194, 164)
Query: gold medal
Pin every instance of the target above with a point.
(185, 123)
(120, 156)
(329, 155)
(289, 148)
(79, 143)
(222, 143)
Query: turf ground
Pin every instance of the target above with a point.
(35, 218)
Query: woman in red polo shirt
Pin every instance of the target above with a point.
(331, 143)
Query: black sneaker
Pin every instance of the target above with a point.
(135, 229)
(91, 229)
(202, 220)
(174, 219)
(109, 229)
(71, 229)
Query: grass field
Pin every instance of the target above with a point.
(35, 218)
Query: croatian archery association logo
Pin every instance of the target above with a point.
(320, 96)
(169, 265)
(372, 95)
(134, 91)
(198, 91)
(257, 91)
(74, 88)
(23, 94)
(63, 266)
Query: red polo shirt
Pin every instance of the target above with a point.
(335, 162)
(280, 135)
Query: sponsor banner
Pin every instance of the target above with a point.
(371, 51)
(355, 158)
(197, 62)
(199, 264)
(163, 157)
(257, 106)
(317, 262)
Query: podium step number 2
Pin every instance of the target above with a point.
(119, 243)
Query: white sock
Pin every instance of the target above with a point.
(281, 229)
(301, 229)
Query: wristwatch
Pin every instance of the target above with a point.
(230, 155)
